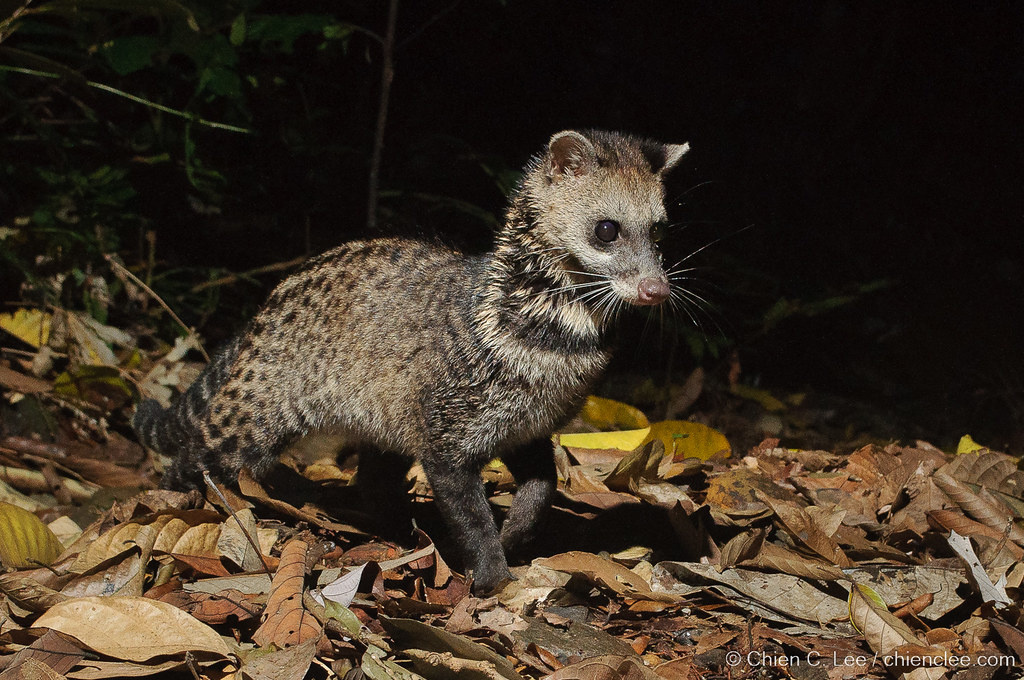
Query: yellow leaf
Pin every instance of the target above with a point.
(968, 445)
(24, 540)
(682, 439)
(29, 325)
(608, 414)
(762, 397)
(624, 440)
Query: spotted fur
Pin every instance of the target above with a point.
(413, 348)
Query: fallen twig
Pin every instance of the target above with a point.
(265, 269)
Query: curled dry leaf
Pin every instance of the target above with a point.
(604, 572)
(29, 593)
(983, 508)
(885, 633)
(751, 550)
(286, 622)
(803, 527)
(132, 628)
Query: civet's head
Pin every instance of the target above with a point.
(600, 206)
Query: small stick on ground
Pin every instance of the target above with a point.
(223, 499)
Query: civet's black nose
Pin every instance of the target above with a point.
(652, 291)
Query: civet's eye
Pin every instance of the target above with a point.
(607, 230)
(658, 230)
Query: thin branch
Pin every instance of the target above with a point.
(252, 542)
(426, 24)
(126, 272)
(121, 93)
(265, 269)
(387, 74)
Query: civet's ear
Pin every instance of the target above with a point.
(570, 154)
(673, 154)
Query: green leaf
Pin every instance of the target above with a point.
(237, 35)
(343, 615)
(131, 53)
(285, 30)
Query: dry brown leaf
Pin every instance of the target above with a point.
(952, 520)
(606, 667)
(132, 628)
(990, 469)
(604, 572)
(206, 566)
(284, 664)
(214, 609)
(251, 488)
(109, 545)
(752, 550)
(199, 541)
(989, 513)
(803, 528)
(94, 669)
(19, 382)
(736, 496)
(31, 669)
(286, 623)
(54, 652)
(122, 576)
(29, 593)
(235, 542)
(883, 632)
(791, 595)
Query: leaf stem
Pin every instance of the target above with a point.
(127, 95)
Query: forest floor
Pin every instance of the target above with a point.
(752, 536)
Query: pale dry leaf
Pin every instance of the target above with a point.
(343, 589)
(990, 592)
(65, 529)
(132, 628)
(117, 541)
(95, 669)
(122, 576)
(283, 664)
(235, 542)
(199, 541)
(375, 665)
(885, 633)
(791, 595)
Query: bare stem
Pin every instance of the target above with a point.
(139, 282)
(121, 93)
(387, 75)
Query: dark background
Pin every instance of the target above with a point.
(873, 150)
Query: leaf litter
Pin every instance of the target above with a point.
(670, 553)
